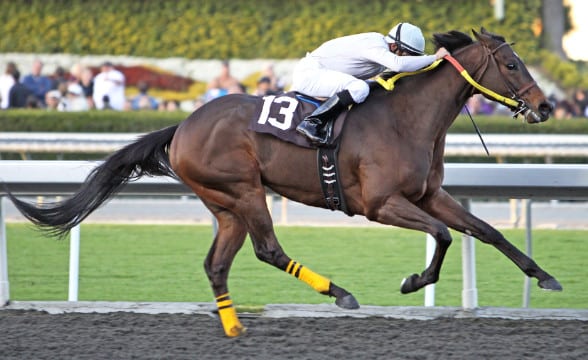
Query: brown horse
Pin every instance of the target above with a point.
(390, 164)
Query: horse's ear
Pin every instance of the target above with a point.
(483, 30)
(476, 35)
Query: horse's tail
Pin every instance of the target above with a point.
(146, 156)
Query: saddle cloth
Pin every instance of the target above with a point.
(279, 115)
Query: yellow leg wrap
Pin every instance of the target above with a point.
(316, 281)
(228, 316)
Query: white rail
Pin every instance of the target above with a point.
(499, 145)
(547, 181)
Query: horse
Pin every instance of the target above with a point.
(390, 164)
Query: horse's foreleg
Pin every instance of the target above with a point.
(321, 284)
(228, 240)
(400, 212)
(268, 249)
(444, 207)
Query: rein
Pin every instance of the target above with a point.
(464, 73)
(391, 82)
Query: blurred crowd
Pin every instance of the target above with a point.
(77, 90)
(225, 83)
(575, 106)
(80, 89)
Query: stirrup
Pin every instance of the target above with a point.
(321, 136)
(311, 131)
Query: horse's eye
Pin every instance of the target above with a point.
(511, 66)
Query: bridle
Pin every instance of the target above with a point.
(515, 102)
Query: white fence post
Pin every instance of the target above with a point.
(284, 212)
(74, 263)
(4, 286)
(430, 289)
(529, 250)
(469, 293)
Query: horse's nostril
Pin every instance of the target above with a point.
(545, 109)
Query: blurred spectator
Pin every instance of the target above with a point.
(109, 88)
(62, 88)
(221, 84)
(33, 103)
(173, 105)
(18, 96)
(6, 83)
(237, 89)
(143, 101)
(75, 72)
(563, 110)
(478, 105)
(276, 84)
(127, 106)
(87, 83)
(263, 87)
(106, 103)
(224, 80)
(169, 105)
(52, 99)
(59, 77)
(38, 83)
(580, 103)
(75, 99)
(212, 94)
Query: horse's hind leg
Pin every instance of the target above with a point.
(267, 249)
(227, 242)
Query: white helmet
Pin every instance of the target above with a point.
(408, 38)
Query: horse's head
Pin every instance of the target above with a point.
(500, 71)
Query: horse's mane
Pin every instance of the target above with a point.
(451, 40)
(454, 39)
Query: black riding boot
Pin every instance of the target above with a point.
(315, 126)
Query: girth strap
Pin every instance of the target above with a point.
(329, 178)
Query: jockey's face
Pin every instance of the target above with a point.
(396, 50)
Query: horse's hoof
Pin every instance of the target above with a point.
(550, 284)
(409, 284)
(236, 331)
(347, 302)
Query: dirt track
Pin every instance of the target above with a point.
(123, 335)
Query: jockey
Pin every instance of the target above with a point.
(337, 70)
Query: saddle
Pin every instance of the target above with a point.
(279, 115)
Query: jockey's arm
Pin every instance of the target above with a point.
(399, 63)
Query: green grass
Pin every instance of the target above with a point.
(164, 263)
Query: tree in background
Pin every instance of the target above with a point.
(555, 19)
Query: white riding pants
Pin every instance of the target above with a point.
(311, 78)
